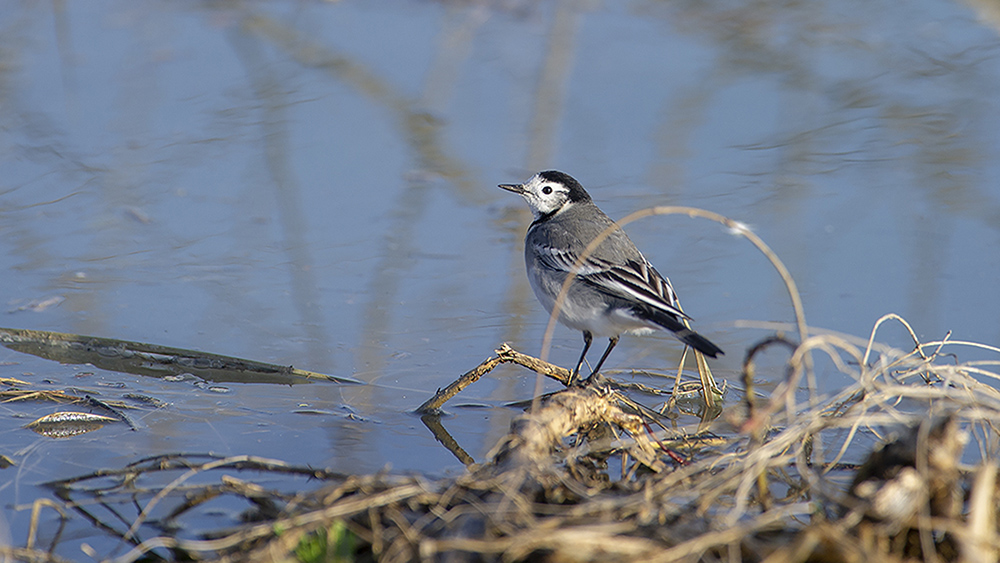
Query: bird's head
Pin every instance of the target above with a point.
(549, 192)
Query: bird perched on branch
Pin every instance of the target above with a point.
(615, 289)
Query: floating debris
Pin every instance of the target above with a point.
(39, 305)
(12, 381)
(137, 214)
(316, 412)
(179, 377)
(343, 414)
(154, 360)
(212, 388)
(68, 423)
(151, 401)
(11, 395)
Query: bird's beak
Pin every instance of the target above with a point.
(516, 188)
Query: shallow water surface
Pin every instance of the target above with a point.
(314, 184)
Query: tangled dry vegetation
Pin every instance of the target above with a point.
(898, 466)
(774, 489)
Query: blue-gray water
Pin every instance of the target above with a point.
(314, 183)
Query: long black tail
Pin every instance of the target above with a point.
(683, 333)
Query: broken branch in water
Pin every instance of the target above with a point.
(504, 354)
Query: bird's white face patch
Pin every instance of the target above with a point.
(544, 196)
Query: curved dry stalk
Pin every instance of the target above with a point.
(36, 508)
(878, 323)
(980, 345)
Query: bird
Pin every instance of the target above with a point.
(615, 290)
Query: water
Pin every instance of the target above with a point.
(314, 184)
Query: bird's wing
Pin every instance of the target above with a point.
(634, 280)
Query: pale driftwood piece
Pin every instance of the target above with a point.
(504, 354)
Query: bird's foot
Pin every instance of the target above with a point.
(575, 380)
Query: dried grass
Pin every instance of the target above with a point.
(547, 491)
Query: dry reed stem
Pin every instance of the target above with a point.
(979, 542)
(36, 509)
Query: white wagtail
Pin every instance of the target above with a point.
(615, 290)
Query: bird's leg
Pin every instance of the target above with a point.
(587, 339)
(611, 344)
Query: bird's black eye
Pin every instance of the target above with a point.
(547, 190)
